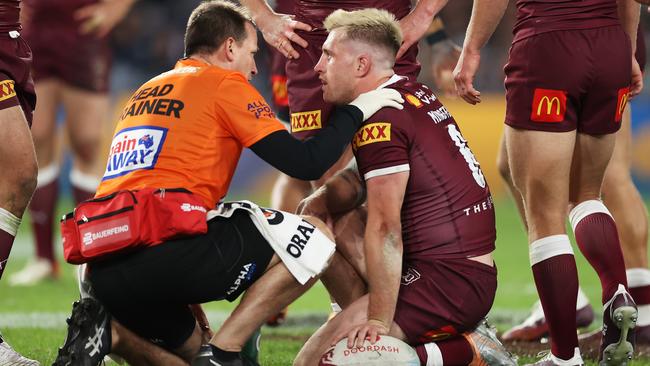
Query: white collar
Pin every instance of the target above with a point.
(393, 79)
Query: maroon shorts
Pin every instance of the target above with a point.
(566, 80)
(309, 112)
(640, 48)
(440, 298)
(83, 61)
(16, 84)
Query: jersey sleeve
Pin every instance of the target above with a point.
(381, 145)
(247, 115)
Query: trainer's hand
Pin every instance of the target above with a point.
(202, 319)
(279, 31)
(371, 330)
(464, 76)
(101, 17)
(413, 28)
(444, 57)
(370, 102)
(637, 79)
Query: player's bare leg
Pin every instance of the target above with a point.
(276, 289)
(86, 114)
(626, 205)
(534, 327)
(541, 175)
(17, 183)
(286, 194)
(598, 239)
(46, 193)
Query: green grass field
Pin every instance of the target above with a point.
(33, 318)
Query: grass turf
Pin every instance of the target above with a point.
(33, 318)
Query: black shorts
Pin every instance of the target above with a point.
(149, 291)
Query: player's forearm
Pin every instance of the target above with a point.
(258, 8)
(486, 15)
(383, 250)
(629, 13)
(425, 10)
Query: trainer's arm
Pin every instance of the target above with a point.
(383, 251)
(309, 159)
(486, 15)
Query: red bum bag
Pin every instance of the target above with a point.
(126, 220)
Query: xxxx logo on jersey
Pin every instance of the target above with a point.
(371, 133)
(305, 121)
(7, 89)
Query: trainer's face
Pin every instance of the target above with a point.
(244, 53)
(335, 69)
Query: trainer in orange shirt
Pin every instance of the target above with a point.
(186, 128)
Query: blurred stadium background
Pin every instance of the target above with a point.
(150, 40)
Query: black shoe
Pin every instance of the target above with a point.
(619, 319)
(205, 357)
(89, 335)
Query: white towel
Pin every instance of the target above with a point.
(303, 249)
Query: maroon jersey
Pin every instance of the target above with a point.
(447, 210)
(314, 12)
(9, 15)
(541, 16)
(57, 13)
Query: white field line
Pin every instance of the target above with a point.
(56, 320)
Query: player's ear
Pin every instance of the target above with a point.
(362, 65)
(229, 48)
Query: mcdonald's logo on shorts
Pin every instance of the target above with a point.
(549, 105)
(623, 97)
(305, 121)
(7, 89)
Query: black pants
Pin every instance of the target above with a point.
(148, 291)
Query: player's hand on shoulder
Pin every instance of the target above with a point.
(279, 31)
(464, 73)
(101, 17)
(372, 101)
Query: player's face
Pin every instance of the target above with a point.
(245, 53)
(335, 69)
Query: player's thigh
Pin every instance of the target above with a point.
(590, 159)
(86, 113)
(540, 162)
(349, 231)
(288, 192)
(45, 116)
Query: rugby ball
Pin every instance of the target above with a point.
(387, 351)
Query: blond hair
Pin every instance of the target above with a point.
(375, 27)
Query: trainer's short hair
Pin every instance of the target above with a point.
(211, 23)
(372, 26)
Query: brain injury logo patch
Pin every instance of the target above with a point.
(371, 133)
(549, 105)
(7, 89)
(305, 121)
(134, 148)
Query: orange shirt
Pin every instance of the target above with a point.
(186, 128)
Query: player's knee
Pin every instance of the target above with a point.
(320, 225)
(87, 151)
